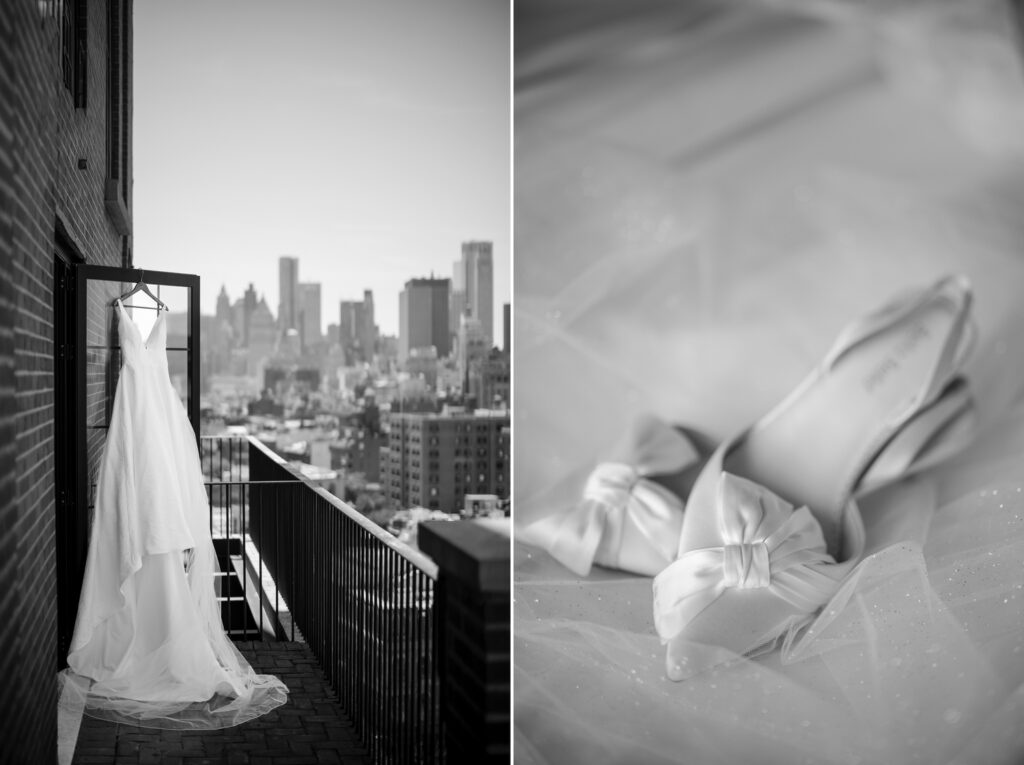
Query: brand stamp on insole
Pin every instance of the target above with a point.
(917, 334)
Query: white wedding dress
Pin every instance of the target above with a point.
(149, 646)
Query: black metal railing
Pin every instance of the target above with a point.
(251, 606)
(318, 571)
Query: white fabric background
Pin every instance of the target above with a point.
(703, 292)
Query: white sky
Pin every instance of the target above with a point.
(369, 139)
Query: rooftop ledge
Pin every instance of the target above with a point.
(476, 553)
(117, 211)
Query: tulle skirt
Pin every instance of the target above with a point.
(163, 659)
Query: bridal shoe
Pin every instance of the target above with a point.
(627, 520)
(889, 382)
(631, 512)
(772, 527)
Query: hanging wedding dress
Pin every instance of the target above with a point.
(149, 645)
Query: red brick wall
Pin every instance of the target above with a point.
(42, 189)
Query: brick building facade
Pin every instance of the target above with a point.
(65, 198)
(435, 460)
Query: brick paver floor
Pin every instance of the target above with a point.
(310, 728)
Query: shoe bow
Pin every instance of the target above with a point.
(625, 520)
(766, 544)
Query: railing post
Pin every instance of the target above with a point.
(472, 613)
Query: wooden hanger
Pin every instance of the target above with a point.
(141, 286)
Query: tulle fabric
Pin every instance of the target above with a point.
(719, 310)
(149, 647)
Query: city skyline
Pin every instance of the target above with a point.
(329, 315)
(370, 142)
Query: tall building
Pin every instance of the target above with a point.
(368, 329)
(423, 317)
(241, 316)
(223, 306)
(507, 316)
(457, 299)
(357, 330)
(218, 336)
(473, 346)
(262, 337)
(350, 315)
(249, 303)
(478, 267)
(309, 315)
(288, 284)
(435, 460)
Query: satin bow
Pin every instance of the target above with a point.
(625, 520)
(765, 544)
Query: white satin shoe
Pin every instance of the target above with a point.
(631, 512)
(771, 527)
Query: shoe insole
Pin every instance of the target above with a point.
(934, 433)
(812, 451)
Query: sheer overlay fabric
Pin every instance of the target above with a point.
(709, 312)
(149, 647)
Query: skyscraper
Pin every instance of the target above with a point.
(223, 306)
(423, 317)
(368, 329)
(249, 303)
(507, 316)
(357, 330)
(309, 314)
(472, 346)
(288, 283)
(478, 268)
(262, 337)
(457, 299)
(350, 316)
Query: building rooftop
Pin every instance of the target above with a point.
(456, 414)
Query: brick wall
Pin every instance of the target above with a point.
(467, 447)
(472, 598)
(9, 594)
(43, 190)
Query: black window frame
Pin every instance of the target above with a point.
(72, 19)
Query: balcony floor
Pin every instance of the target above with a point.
(310, 728)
